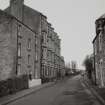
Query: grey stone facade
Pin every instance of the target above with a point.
(18, 54)
(52, 62)
(99, 51)
(33, 45)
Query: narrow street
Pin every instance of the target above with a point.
(67, 92)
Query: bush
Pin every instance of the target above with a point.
(88, 64)
(25, 82)
(4, 88)
(13, 85)
(45, 80)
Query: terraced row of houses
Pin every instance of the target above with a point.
(99, 52)
(29, 45)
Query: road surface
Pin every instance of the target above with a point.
(67, 92)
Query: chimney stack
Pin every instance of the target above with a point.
(16, 9)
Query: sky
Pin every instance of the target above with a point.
(73, 20)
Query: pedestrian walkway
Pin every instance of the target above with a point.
(8, 99)
(99, 93)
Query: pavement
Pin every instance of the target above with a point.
(96, 92)
(11, 98)
(70, 91)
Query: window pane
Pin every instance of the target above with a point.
(36, 56)
(29, 44)
(19, 29)
(28, 59)
(19, 50)
(19, 69)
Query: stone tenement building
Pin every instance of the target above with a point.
(99, 51)
(29, 44)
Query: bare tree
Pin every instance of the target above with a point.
(88, 63)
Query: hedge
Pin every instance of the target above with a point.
(45, 79)
(13, 85)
